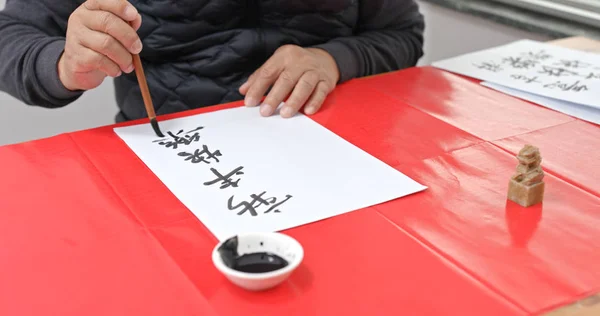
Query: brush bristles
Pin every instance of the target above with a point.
(154, 124)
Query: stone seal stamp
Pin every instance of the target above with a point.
(526, 186)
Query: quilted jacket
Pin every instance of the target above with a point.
(198, 52)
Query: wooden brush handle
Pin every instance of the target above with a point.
(139, 72)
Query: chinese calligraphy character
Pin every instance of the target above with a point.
(572, 63)
(556, 71)
(525, 78)
(489, 66)
(198, 155)
(226, 179)
(179, 138)
(257, 201)
(540, 55)
(593, 76)
(520, 63)
(577, 87)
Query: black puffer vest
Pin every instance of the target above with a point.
(198, 52)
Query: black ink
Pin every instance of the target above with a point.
(259, 262)
(576, 87)
(228, 251)
(572, 63)
(540, 55)
(489, 66)
(556, 71)
(272, 208)
(248, 206)
(520, 63)
(593, 76)
(198, 156)
(179, 139)
(525, 78)
(258, 200)
(226, 179)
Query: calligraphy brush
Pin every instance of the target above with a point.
(139, 72)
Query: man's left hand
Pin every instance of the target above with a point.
(305, 76)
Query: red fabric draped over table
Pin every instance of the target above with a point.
(87, 229)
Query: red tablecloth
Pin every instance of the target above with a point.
(87, 229)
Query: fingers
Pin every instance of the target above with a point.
(317, 98)
(264, 77)
(302, 91)
(244, 87)
(113, 25)
(100, 38)
(121, 8)
(136, 23)
(109, 46)
(294, 73)
(281, 89)
(88, 60)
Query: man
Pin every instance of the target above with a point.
(201, 52)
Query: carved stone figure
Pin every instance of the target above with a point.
(526, 186)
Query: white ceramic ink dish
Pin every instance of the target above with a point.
(279, 244)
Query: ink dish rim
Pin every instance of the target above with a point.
(292, 265)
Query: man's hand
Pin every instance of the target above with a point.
(306, 75)
(101, 36)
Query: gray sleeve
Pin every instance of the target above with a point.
(32, 39)
(389, 37)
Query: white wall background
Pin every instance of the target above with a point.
(448, 33)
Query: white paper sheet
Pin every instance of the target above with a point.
(583, 112)
(324, 174)
(534, 67)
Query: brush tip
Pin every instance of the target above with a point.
(154, 124)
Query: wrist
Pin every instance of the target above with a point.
(62, 74)
(47, 75)
(329, 63)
